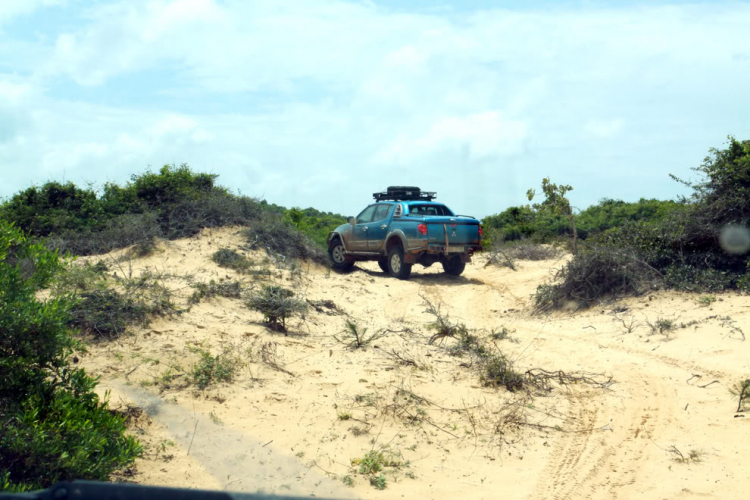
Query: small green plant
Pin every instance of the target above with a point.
(162, 446)
(742, 391)
(210, 369)
(344, 416)
(215, 418)
(231, 259)
(706, 300)
(348, 480)
(365, 399)
(468, 343)
(503, 333)
(372, 463)
(277, 304)
(663, 326)
(497, 371)
(300, 454)
(442, 325)
(379, 481)
(356, 337)
(693, 456)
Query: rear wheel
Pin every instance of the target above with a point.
(337, 254)
(383, 263)
(396, 265)
(454, 265)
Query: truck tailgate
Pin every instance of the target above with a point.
(452, 231)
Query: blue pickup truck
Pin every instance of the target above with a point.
(402, 228)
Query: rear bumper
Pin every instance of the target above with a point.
(465, 251)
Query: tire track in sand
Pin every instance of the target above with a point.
(609, 439)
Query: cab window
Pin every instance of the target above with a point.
(429, 210)
(382, 212)
(366, 215)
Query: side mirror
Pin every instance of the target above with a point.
(353, 221)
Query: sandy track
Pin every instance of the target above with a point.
(610, 444)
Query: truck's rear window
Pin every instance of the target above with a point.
(429, 210)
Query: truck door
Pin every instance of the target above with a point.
(379, 227)
(358, 241)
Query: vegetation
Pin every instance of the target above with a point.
(542, 226)
(742, 391)
(229, 289)
(688, 249)
(54, 426)
(356, 337)
(281, 239)
(172, 203)
(597, 273)
(232, 259)
(556, 203)
(211, 369)
(106, 309)
(277, 304)
(373, 463)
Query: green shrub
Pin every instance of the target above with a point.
(523, 222)
(232, 259)
(54, 427)
(313, 223)
(41, 211)
(174, 202)
(211, 369)
(277, 304)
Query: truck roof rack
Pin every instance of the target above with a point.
(404, 193)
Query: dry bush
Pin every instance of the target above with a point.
(505, 254)
(596, 274)
(281, 239)
(228, 289)
(277, 304)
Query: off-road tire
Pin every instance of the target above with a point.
(383, 263)
(337, 256)
(396, 265)
(454, 265)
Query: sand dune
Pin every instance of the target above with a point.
(297, 431)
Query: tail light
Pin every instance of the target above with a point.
(422, 228)
(480, 231)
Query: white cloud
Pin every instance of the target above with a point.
(10, 9)
(604, 129)
(477, 137)
(301, 99)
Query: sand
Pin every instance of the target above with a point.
(664, 427)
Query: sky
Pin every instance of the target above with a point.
(321, 103)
